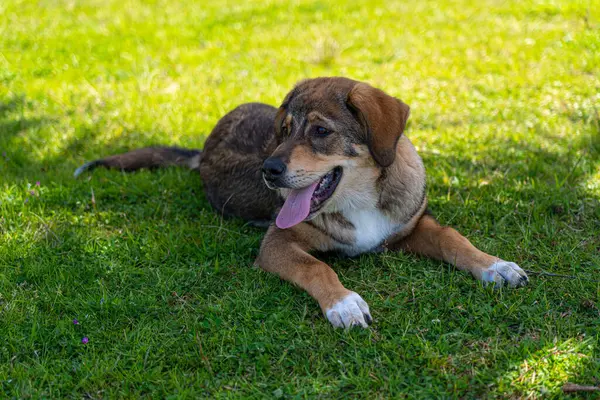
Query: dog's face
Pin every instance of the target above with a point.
(333, 133)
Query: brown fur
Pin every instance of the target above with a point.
(286, 254)
(379, 203)
(384, 118)
(152, 157)
(430, 239)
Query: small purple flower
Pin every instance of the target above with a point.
(32, 192)
(37, 183)
(75, 322)
(85, 340)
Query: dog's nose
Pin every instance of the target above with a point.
(273, 167)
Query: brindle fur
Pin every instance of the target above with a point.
(383, 178)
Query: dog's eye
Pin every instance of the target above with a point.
(320, 131)
(284, 129)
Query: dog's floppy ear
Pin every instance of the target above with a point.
(383, 118)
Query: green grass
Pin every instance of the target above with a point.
(505, 112)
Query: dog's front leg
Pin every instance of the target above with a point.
(444, 243)
(285, 253)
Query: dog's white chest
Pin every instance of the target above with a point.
(372, 227)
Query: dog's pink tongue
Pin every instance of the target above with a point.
(296, 207)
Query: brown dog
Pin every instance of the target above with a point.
(333, 169)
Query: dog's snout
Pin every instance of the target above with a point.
(273, 167)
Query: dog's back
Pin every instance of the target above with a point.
(231, 165)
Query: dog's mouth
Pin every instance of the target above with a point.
(302, 203)
(325, 189)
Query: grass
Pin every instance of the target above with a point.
(505, 112)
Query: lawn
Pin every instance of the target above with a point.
(505, 113)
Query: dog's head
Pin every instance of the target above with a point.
(332, 133)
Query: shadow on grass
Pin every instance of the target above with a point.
(12, 121)
(134, 213)
(526, 172)
(25, 132)
(14, 127)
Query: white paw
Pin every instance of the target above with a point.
(350, 311)
(505, 273)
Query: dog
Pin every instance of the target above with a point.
(330, 170)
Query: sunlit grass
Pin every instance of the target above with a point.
(504, 100)
(546, 370)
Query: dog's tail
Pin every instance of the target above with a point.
(149, 157)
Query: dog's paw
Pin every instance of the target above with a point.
(350, 311)
(504, 273)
